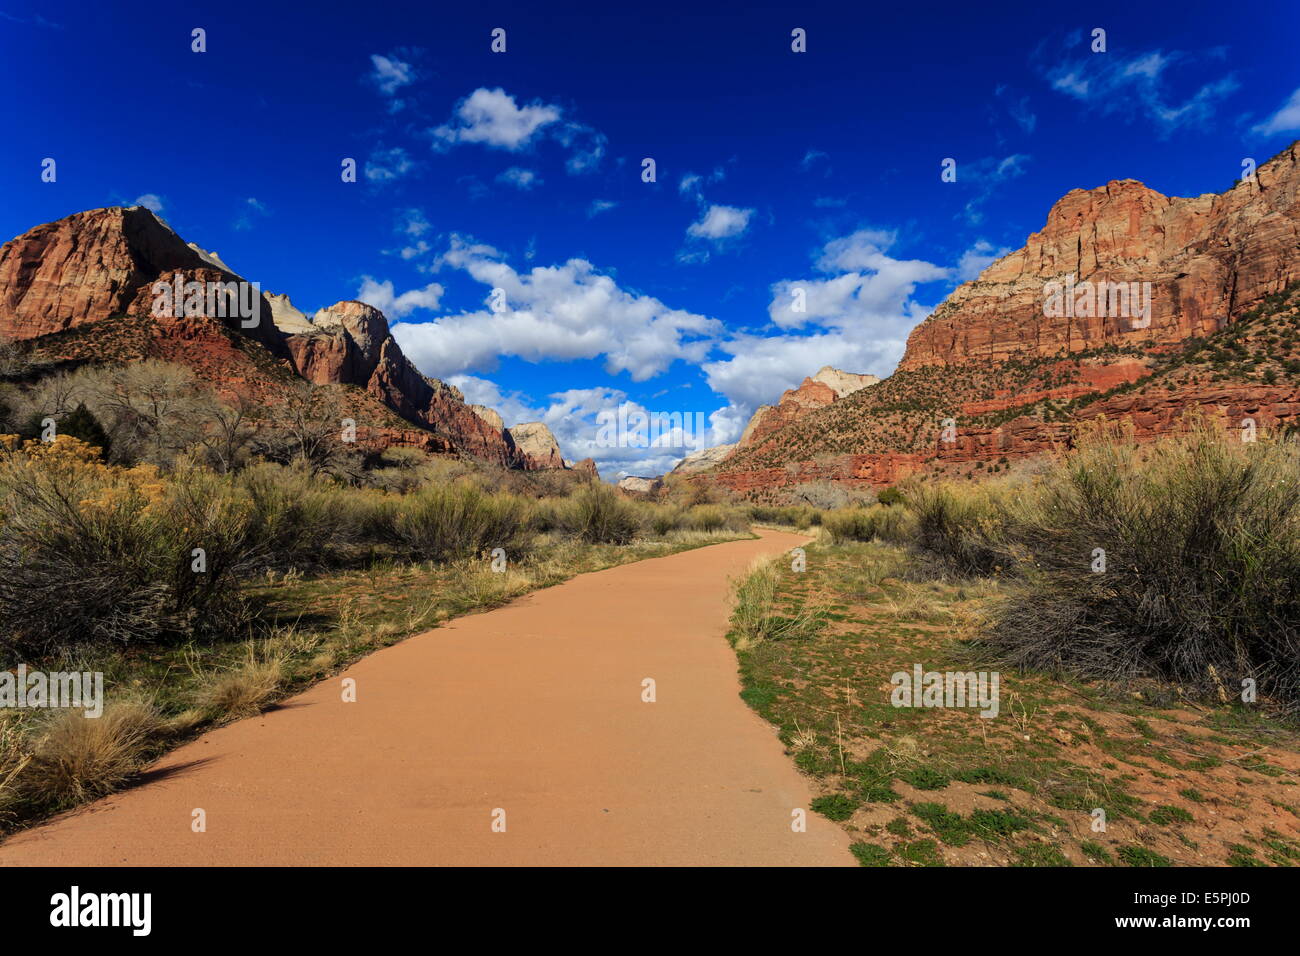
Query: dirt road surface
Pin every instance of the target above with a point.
(534, 709)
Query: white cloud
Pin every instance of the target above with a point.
(252, 209)
(560, 312)
(720, 222)
(761, 368)
(1285, 120)
(414, 223)
(600, 205)
(513, 407)
(872, 294)
(573, 416)
(389, 74)
(491, 117)
(1139, 86)
(381, 295)
(856, 317)
(385, 165)
(522, 179)
(151, 201)
(978, 258)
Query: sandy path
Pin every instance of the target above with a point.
(534, 708)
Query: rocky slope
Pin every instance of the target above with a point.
(83, 288)
(816, 391)
(1010, 377)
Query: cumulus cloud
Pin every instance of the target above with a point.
(559, 312)
(522, 179)
(759, 368)
(867, 290)
(575, 416)
(855, 315)
(389, 74)
(493, 118)
(720, 222)
(151, 201)
(383, 297)
(513, 407)
(385, 165)
(600, 205)
(1285, 120)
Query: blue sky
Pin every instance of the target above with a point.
(523, 171)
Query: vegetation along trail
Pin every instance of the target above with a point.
(531, 715)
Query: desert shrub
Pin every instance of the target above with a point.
(873, 523)
(801, 517)
(661, 519)
(444, 522)
(715, 518)
(961, 528)
(849, 524)
(302, 519)
(706, 518)
(600, 515)
(1200, 539)
(92, 552)
(889, 496)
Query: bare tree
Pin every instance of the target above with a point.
(309, 423)
(230, 433)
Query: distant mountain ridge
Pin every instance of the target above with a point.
(1011, 378)
(65, 282)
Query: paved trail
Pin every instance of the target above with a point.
(534, 708)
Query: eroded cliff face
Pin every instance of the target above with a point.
(534, 446)
(102, 267)
(84, 268)
(1207, 260)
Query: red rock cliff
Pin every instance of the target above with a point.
(1207, 258)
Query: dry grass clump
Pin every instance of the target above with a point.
(77, 758)
(244, 689)
(756, 617)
